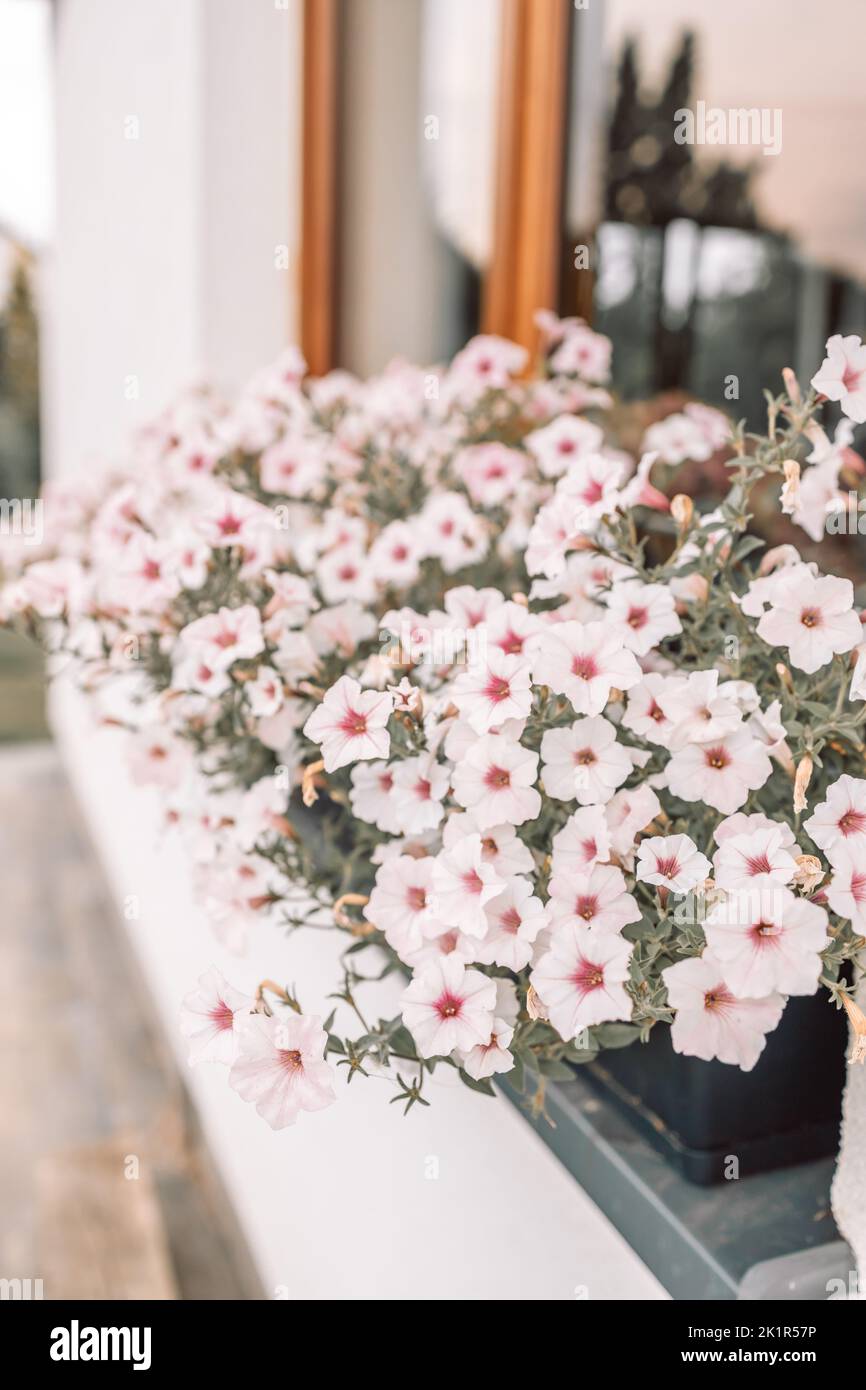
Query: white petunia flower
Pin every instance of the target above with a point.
(265, 693)
(671, 861)
(581, 979)
(565, 439)
(842, 375)
(644, 715)
(741, 824)
(448, 1008)
(463, 884)
(515, 918)
(400, 903)
(495, 780)
(419, 788)
(582, 842)
(697, 710)
(846, 892)
(584, 761)
(710, 1021)
(584, 661)
(813, 617)
(756, 859)
(350, 724)
(627, 813)
(840, 820)
(493, 690)
(501, 846)
(767, 940)
(597, 898)
(372, 797)
(643, 614)
(219, 639)
(492, 1057)
(280, 1067)
(721, 773)
(208, 1017)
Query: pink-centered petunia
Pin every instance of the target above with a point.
(280, 1067)
(768, 939)
(742, 824)
(419, 786)
(813, 617)
(627, 813)
(597, 898)
(157, 757)
(673, 862)
(842, 375)
(492, 690)
(351, 724)
(584, 661)
(581, 979)
(515, 918)
(494, 780)
(644, 715)
(208, 1017)
(221, 638)
(584, 761)
(462, 885)
(401, 903)
(494, 1056)
(560, 443)
(501, 846)
(447, 1007)
(643, 614)
(372, 797)
(840, 819)
(582, 842)
(491, 472)
(846, 892)
(697, 710)
(759, 858)
(721, 773)
(710, 1021)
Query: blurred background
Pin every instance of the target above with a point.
(186, 186)
(400, 175)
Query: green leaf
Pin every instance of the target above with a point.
(483, 1085)
(616, 1034)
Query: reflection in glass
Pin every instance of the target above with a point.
(417, 142)
(715, 260)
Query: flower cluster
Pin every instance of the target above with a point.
(432, 661)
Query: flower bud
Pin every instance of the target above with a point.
(808, 873)
(534, 1007)
(792, 385)
(682, 509)
(801, 782)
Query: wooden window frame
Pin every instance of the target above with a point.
(530, 161)
(533, 96)
(319, 183)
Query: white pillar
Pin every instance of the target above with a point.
(178, 156)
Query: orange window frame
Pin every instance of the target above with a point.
(533, 93)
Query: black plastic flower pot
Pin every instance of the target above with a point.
(714, 1121)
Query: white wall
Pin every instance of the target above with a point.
(162, 266)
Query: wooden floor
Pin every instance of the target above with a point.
(105, 1190)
